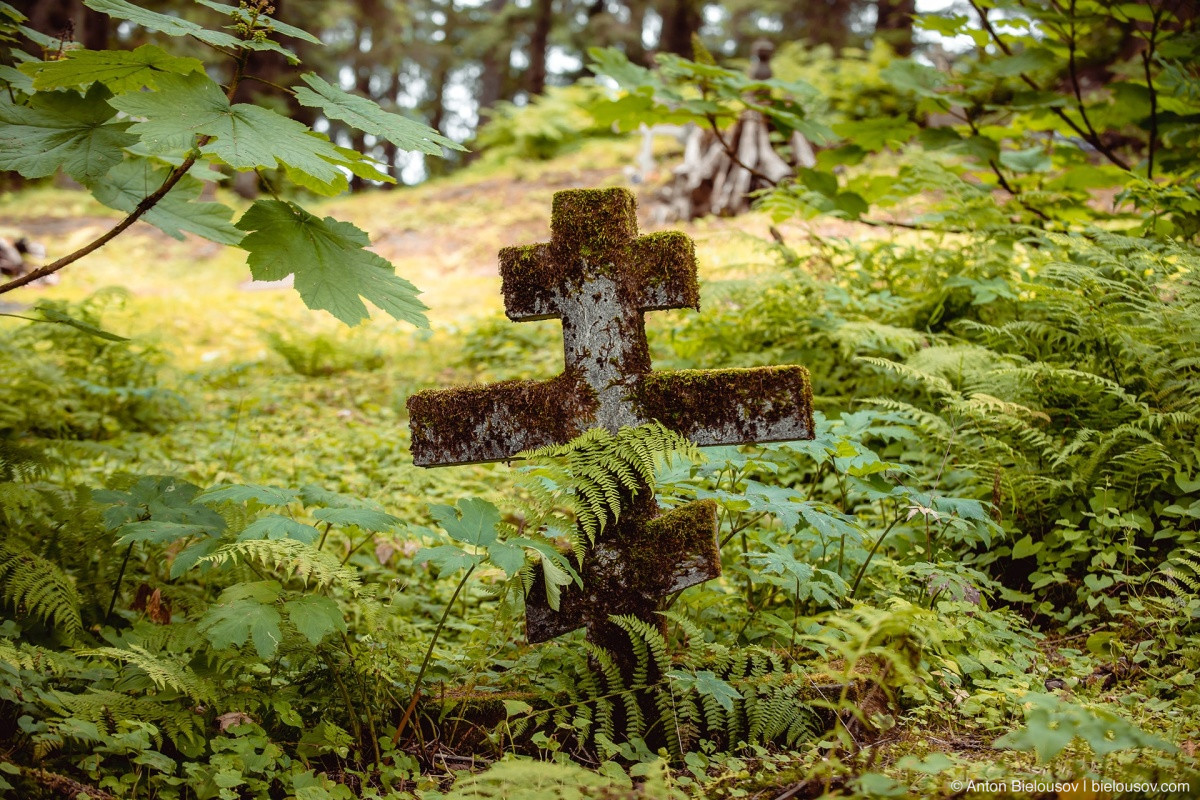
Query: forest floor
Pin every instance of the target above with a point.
(282, 395)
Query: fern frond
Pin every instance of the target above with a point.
(288, 556)
(164, 673)
(37, 587)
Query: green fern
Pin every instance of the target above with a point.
(289, 557)
(164, 673)
(704, 691)
(590, 476)
(37, 587)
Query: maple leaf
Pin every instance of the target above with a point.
(368, 117)
(476, 525)
(328, 258)
(132, 180)
(62, 130)
(245, 611)
(315, 616)
(119, 70)
(163, 23)
(243, 136)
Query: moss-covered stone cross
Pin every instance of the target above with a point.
(599, 277)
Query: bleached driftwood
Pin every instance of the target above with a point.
(721, 170)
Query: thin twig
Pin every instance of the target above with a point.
(1093, 140)
(144, 206)
(712, 124)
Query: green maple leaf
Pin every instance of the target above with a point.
(328, 258)
(244, 136)
(163, 23)
(276, 25)
(473, 521)
(119, 70)
(61, 130)
(365, 518)
(245, 611)
(781, 561)
(446, 558)
(367, 116)
(277, 526)
(244, 493)
(315, 616)
(706, 683)
(130, 181)
(507, 556)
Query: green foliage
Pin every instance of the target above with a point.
(999, 498)
(1051, 724)
(60, 113)
(589, 475)
(731, 696)
(549, 125)
(64, 381)
(322, 354)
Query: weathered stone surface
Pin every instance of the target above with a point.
(599, 277)
(638, 560)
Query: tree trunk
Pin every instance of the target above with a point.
(829, 23)
(494, 66)
(894, 24)
(539, 40)
(680, 21)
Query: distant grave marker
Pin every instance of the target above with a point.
(599, 277)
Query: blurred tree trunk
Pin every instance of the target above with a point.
(539, 40)
(894, 24)
(493, 66)
(681, 19)
(829, 23)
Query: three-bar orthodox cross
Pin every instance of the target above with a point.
(599, 277)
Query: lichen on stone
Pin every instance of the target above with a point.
(729, 406)
(472, 424)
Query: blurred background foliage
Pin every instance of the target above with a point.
(455, 64)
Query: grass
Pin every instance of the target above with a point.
(253, 419)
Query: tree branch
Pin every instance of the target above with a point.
(143, 206)
(1092, 139)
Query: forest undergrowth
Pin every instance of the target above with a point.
(221, 575)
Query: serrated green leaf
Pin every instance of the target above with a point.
(62, 130)
(152, 530)
(367, 116)
(312, 495)
(446, 558)
(245, 611)
(315, 616)
(277, 526)
(244, 136)
(244, 493)
(507, 557)
(328, 258)
(276, 25)
(191, 555)
(134, 179)
(16, 80)
(471, 520)
(163, 23)
(708, 684)
(119, 70)
(878, 133)
(1034, 159)
(365, 518)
